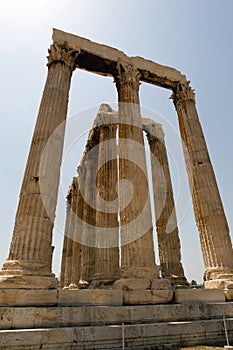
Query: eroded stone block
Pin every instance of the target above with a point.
(27, 297)
(147, 297)
(161, 284)
(132, 284)
(106, 297)
(27, 282)
(67, 297)
(199, 295)
(90, 297)
(139, 272)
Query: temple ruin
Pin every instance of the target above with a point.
(108, 263)
(96, 263)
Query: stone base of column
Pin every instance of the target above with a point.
(18, 274)
(178, 281)
(104, 280)
(226, 283)
(72, 286)
(175, 273)
(95, 284)
(218, 278)
(102, 284)
(139, 272)
(81, 285)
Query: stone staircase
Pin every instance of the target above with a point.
(109, 327)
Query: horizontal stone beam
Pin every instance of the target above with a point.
(102, 59)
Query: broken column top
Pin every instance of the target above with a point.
(152, 128)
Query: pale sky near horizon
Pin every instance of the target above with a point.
(194, 37)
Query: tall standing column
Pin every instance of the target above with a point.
(76, 244)
(209, 213)
(166, 222)
(69, 256)
(64, 281)
(29, 261)
(135, 213)
(107, 252)
(87, 173)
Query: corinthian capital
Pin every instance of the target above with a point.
(61, 53)
(182, 92)
(127, 73)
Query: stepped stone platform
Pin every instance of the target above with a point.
(53, 297)
(104, 327)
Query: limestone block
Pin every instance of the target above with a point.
(161, 283)
(25, 317)
(110, 314)
(132, 284)
(35, 339)
(6, 317)
(90, 297)
(139, 272)
(106, 297)
(26, 282)
(163, 335)
(71, 297)
(79, 315)
(140, 297)
(27, 297)
(199, 295)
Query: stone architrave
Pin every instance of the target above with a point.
(209, 213)
(107, 252)
(136, 239)
(166, 222)
(30, 257)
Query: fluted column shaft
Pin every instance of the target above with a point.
(87, 172)
(209, 213)
(70, 245)
(107, 253)
(31, 247)
(137, 242)
(76, 241)
(66, 245)
(166, 221)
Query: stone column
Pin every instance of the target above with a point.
(166, 222)
(29, 261)
(209, 213)
(135, 212)
(69, 256)
(87, 174)
(77, 246)
(64, 281)
(107, 252)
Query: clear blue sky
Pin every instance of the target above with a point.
(193, 36)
